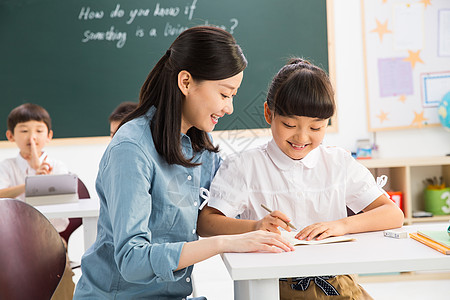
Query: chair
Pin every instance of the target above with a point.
(32, 254)
(351, 212)
(74, 223)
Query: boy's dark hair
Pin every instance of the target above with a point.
(301, 89)
(207, 53)
(122, 110)
(28, 112)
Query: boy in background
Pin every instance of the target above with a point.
(119, 113)
(29, 126)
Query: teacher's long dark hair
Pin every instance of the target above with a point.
(207, 53)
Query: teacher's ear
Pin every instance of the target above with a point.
(184, 81)
(267, 113)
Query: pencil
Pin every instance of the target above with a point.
(270, 211)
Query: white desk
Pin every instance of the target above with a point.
(88, 209)
(256, 275)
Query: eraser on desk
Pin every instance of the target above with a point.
(396, 233)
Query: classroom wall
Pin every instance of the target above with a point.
(83, 159)
(351, 100)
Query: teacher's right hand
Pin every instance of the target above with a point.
(256, 241)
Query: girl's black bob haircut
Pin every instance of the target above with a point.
(301, 89)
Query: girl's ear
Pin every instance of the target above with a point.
(267, 113)
(184, 80)
(10, 135)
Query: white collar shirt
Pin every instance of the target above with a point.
(314, 189)
(14, 170)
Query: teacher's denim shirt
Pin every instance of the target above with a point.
(148, 210)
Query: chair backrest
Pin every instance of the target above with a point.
(32, 254)
(351, 212)
(74, 223)
(83, 192)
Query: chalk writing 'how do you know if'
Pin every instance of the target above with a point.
(119, 37)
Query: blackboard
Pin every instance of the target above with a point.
(79, 59)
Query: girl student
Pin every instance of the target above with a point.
(296, 175)
(150, 176)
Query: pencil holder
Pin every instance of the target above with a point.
(437, 201)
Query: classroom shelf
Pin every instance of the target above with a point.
(407, 175)
(432, 219)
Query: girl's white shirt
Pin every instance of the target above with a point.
(314, 189)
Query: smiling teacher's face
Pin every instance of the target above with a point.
(206, 101)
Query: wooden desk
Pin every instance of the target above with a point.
(256, 275)
(88, 209)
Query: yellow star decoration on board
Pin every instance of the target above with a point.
(383, 116)
(425, 2)
(402, 98)
(413, 58)
(381, 29)
(419, 119)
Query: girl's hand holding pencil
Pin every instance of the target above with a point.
(273, 220)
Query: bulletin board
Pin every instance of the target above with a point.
(406, 48)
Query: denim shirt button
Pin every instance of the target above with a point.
(193, 231)
(195, 203)
(188, 279)
(189, 177)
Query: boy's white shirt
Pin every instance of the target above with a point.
(14, 170)
(314, 189)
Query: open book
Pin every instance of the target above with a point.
(290, 236)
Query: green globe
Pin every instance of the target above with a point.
(444, 111)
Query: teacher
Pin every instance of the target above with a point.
(150, 176)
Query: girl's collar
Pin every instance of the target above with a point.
(284, 162)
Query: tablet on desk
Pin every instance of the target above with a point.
(51, 189)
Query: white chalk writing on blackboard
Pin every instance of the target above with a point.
(118, 34)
